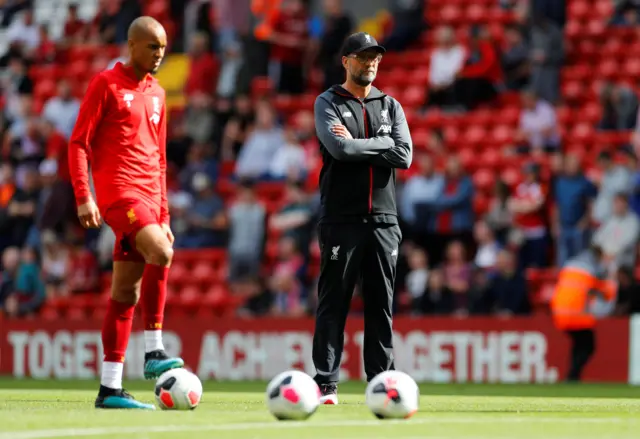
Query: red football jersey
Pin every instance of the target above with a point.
(121, 131)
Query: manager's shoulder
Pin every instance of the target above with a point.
(326, 96)
(393, 101)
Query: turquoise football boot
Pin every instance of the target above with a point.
(158, 362)
(119, 399)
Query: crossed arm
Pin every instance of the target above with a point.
(393, 151)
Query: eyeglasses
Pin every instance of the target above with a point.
(363, 58)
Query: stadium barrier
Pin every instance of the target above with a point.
(513, 350)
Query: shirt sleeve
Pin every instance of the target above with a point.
(162, 146)
(401, 155)
(89, 117)
(344, 149)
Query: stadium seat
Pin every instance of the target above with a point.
(44, 89)
(414, 96)
(216, 297)
(49, 312)
(75, 313)
(178, 275)
(502, 134)
(481, 204)
(491, 158)
(159, 9)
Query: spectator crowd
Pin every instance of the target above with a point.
(243, 176)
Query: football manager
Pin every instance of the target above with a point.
(364, 138)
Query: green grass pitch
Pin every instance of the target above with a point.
(64, 409)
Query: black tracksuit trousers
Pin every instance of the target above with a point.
(583, 345)
(351, 253)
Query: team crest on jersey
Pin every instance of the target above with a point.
(155, 118)
(128, 98)
(132, 216)
(384, 114)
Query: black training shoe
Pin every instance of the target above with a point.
(329, 394)
(119, 399)
(158, 362)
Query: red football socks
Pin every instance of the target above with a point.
(116, 329)
(154, 296)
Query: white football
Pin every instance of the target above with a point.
(178, 389)
(292, 395)
(393, 395)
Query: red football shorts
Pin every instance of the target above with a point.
(126, 218)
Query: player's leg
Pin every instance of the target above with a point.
(116, 328)
(152, 243)
(582, 348)
(377, 291)
(341, 252)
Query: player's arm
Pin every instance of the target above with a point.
(401, 155)
(91, 113)
(162, 145)
(343, 148)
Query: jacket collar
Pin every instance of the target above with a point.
(373, 94)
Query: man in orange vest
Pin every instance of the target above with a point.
(582, 292)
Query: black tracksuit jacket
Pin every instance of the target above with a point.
(358, 178)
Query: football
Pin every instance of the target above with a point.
(393, 395)
(178, 389)
(292, 395)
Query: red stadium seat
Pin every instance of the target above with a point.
(49, 313)
(474, 135)
(480, 205)
(615, 48)
(608, 69)
(502, 134)
(468, 158)
(84, 53)
(573, 29)
(631, 67)
(509, 115)
(582, 132)
(158, 9)
(79, 70)
(420, 76)
(449, 14)
(45, 72)
(204, 272)
(491, 158)
(414, 96)
(190, 294)
(476, 13)
(75, 313)
(573, 91)
(45, 89)
(579, 10)
(511, 176)
(484, 180)
(603, 10)
(420, 138)
(179, 274)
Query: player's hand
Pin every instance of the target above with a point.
(341, 131)
(89, 215)
(167, 230)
